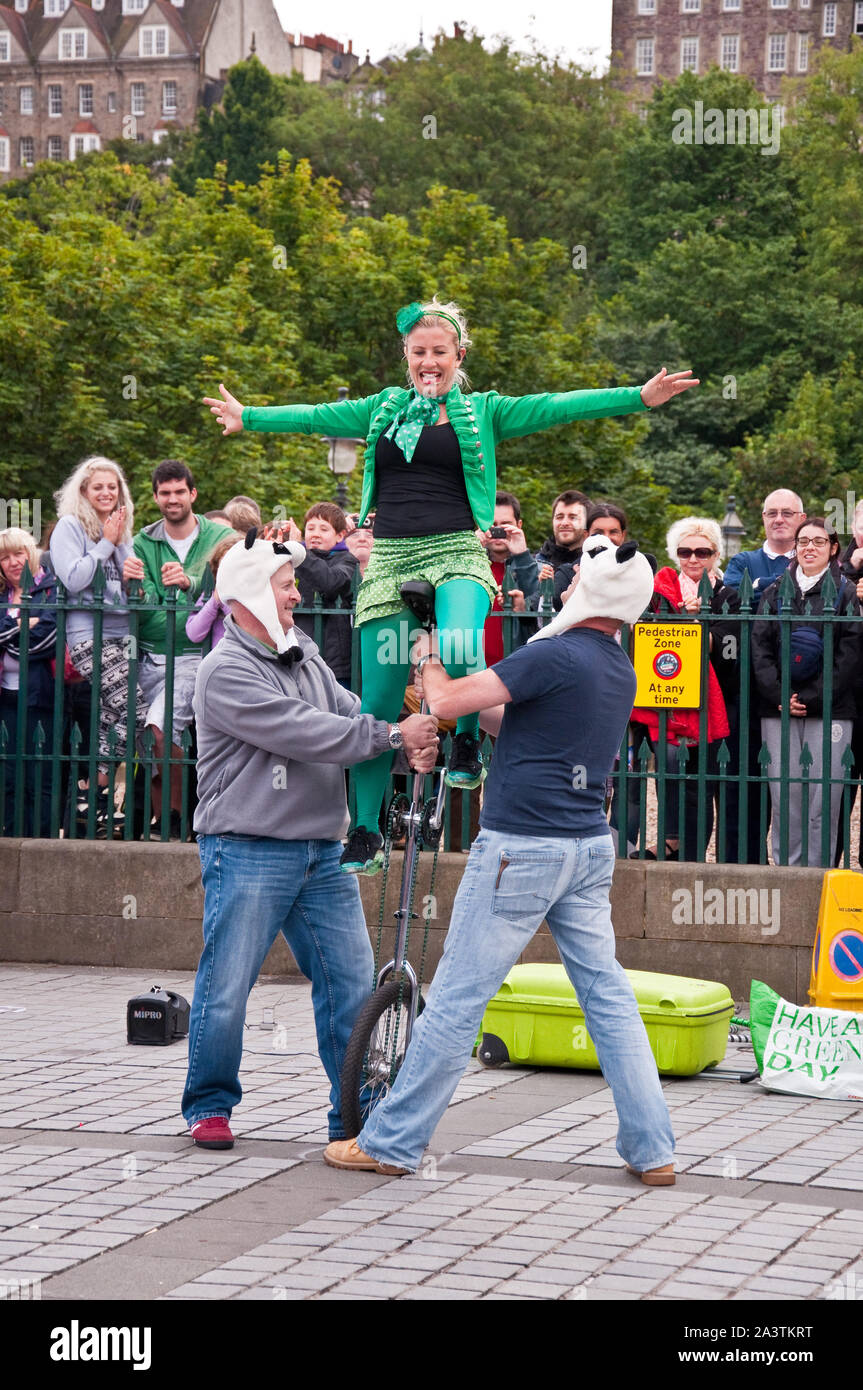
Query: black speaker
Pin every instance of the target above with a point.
(157, 1018)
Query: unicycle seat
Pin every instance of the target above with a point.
(418, 596)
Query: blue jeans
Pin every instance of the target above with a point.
(510, 884)
(255, 888)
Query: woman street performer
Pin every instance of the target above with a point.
(430, 473)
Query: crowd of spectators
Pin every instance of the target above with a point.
(99, 559)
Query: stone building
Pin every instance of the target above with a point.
(75, 74)
(767, 40)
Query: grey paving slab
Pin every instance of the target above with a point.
(522, 1198)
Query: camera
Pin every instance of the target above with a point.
(497, 533)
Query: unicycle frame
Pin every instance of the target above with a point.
(410, 822)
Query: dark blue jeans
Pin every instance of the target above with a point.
(255, 888)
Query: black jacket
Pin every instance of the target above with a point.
(328, 573)
(766, 651)
(41, 646)
(557, 555)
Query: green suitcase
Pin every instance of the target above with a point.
(535, 1018)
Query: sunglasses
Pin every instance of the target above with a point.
(700, 552)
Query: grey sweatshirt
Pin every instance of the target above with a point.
(76, 558)
(274, 740)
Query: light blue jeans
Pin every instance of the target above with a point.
(510, 884)
(254, 888)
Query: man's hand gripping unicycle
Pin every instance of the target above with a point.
(383, 1028)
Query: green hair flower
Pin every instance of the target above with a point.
(408, 315)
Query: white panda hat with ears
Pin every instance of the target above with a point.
(245, 574)
(614, 581)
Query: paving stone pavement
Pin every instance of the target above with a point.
(522, 1195)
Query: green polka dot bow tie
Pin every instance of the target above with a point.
(411, 420)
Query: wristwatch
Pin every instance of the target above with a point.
(396, 738)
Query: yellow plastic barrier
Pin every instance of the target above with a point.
(836, 978)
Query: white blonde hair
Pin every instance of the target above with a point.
(693, 526)
(432, 309)
(12, 540)
(70, 500)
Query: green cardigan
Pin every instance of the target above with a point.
(480, 421)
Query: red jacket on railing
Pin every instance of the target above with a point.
(683, 724)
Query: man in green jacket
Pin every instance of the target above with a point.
(170, 556)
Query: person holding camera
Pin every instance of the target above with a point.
(431, 473)
(509, 556)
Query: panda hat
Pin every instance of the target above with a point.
(614, 581)
(245, 574)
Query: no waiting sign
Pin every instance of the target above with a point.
(667, 661)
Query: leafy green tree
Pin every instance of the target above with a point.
(237, 133)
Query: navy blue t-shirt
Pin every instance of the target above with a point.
(572, 696)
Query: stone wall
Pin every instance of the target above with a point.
(140, 905)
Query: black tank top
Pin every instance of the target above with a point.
(426, 497)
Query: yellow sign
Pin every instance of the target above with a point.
(667, 661)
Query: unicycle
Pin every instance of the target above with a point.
(382, 1032)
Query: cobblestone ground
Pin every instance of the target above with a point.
(522, 1194)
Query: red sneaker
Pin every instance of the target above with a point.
(212, 1133)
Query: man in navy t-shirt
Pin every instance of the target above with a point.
(560, 707)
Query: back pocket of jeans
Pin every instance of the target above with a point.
(524, 883)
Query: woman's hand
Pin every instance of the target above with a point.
(692, 605)
(228, 411)
(664, 385)
(114, 526)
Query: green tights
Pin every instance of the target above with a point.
(461, 608)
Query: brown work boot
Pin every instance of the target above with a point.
(655, 1177)
(346, 1153)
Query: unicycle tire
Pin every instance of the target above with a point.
(375, 1052)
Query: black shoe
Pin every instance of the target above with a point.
(465, 763)
(363, 853)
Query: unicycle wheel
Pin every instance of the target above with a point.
(375, 1052)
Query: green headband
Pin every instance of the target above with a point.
(410, 314)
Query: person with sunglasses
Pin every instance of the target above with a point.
(817, 554)
(693, 544)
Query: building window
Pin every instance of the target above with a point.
(4, 154)
(82, 144)
(26, 152)
(85, 99)
(858, 17)
(53, 8)
(802, 52)
(691, 6)
(5, 49)
(804, 4)
(55, 147)
(153, 41)
(776, 52)
(138, 98)
(73, 43)
(730, 5)
(169, 98)
(779, 4)
(647, 6)
(689, 55)
(111, 101)
(25, 101)
(644, 57)
(729, 57)
(134, 6)
(55, 99)
(829, 30)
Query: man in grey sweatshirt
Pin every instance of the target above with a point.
(275, 733)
